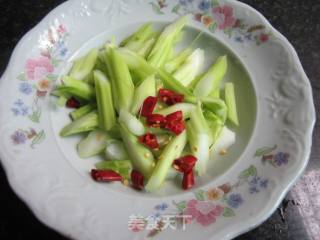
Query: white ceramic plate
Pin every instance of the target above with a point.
(243, 188)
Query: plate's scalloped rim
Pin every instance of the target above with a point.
(283, 190)
(246, 225)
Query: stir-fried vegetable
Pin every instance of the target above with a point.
(190, 68)
(122, 85)
(231, 103)
(82, 111)
(142, 158)
(83, 66)
(163, 47)
(165, 160)
(93, 144)
(199, 139)
(153, 113)
(85, 123)
(211, 80)
(76, 88)
(107, 116)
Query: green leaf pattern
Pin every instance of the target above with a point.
(200, 195)
(249, 172)
(265, 150)
(228, 212)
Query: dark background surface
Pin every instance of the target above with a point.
(297, 218)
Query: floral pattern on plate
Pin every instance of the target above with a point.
(205, 208)
(208, 206)
(216, 16)
(36, 80)
(275, 159)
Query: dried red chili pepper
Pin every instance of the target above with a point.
(175, 127)
(188, 180)
(137, 180)
(72, 103)
(105, 175)
(174, 122)
(177, 98)
(169, 97)
(175, 117)
(164, 94)
(156, 120)
(185, 163)
(150, 140)
(148, 106)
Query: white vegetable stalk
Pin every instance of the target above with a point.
(115, 150)
(190, 68)
(133, 124)
(199, 139)
(226, 139)
(93, 144)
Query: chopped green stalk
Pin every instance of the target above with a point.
(144, 33)
(217, 106)
(171, 151)
(215, 93)
(115, 132)
(85, 123)
(141, 157)
(93, 144)
(141, 48)
(89, 79)
(82, 111)
(231, 103)
(58, 93)
(123, 167)
(137, 64)
(194, 82)
(145, 89)
(146, 48)
(62, 101)
(84, 65)
(107, 116)
(211, 79)
(115, 150)
(177, 61)
(62, 97)
(133, 124)
(199, 139)
(186, 109)
(215, 124)
(77, 88)
(122, 85)
(164, 44)
(171, 83)
(100, 65)
(190, 68)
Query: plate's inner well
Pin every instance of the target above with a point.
(245, 97)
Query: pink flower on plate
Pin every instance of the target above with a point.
(224, 16)
(204, 212)
(61, 29)
(37, 69)
(263, 37)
